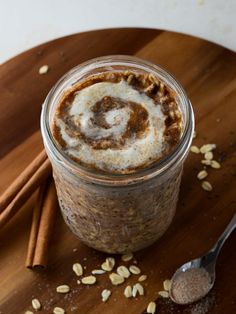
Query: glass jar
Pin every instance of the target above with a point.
(110, 212)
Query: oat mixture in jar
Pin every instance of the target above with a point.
(117, 130)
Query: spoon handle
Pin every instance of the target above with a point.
(224, 236)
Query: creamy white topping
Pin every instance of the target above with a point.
(135, 150)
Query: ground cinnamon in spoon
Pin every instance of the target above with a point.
(190, 286)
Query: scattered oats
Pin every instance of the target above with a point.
(163, 294)
(29, 312)
(140, 288)
(202, 175)
(78, 282)
(142, 278)
(206, 162)
(78, 269)
(128, 292)
(123, 271)
(105, 295)
(63, 289)
(194, 134)
(195, 149)
(127, 257)
(134, 270)
(44, 69)
(134, 291)
(109, 264)
(75, 250)
(206, 186)
(89, 280)
(207, 148)
(208, 156)
(167, 284)
(215, 164)
(151, 308)
(36, 304)
(58, 310)
(98, 271)
(116, 279)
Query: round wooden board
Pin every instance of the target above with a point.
(207, 72)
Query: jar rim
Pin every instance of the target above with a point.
(170, 160)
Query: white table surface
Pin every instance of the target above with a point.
(27, 23)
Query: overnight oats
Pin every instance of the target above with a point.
(117, 130)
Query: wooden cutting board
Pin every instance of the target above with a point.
(208, 73)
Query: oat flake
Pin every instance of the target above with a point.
(109, 264)
(142, 278)
(127, 257)
(116, 279)
(78, 269)
(202, 175)
(36, 304)
(89, 280)
(206, 186)
(123, 271)
(140, 288)
(63, 289)
(167, 284)
(105, 295)
(128, 292)
(43, 69)
(134, 270)
(215, 164)
(163, 294)
(194, 149)
(58, 310)
(151, 308)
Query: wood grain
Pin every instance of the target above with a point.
(207, 72)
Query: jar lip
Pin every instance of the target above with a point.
(176, 156)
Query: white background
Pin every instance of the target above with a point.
(26, 23)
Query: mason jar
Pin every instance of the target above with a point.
(117, 213)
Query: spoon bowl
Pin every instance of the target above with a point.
(206, 262)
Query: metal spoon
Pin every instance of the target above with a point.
(207, 261)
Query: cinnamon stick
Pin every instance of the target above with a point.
(49, 208)
(21, 180)
(35, 226)
(33, 183)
